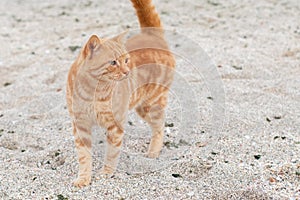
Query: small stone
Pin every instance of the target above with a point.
(183, 143)
(176, 175)
(191, 193)
(34, 117)
(294, 161)
(168, 130)
(276, 137)
(201, 144)
(61, 197)
(56, 153)
(6, 84)
(257, 157)
(278, 179)
(237, 67)
(289, 54)
(208, 166)
(170, 144)
(272, 180)
(169, 124)
(74, 48)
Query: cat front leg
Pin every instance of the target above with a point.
(83, 143)
(114, 140)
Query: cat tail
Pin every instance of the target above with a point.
(147, 15)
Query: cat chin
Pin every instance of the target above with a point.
(109, 79)
(122, 78)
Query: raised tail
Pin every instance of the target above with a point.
(145, 10)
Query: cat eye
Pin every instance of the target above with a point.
(113, 62)
(126, 60)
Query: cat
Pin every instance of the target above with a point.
(110, 77)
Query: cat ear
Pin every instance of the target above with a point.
(120, 38)
(91, 46)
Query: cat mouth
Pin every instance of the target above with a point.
(120, 77)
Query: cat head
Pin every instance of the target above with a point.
(106, 59)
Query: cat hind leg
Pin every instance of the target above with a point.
(154, 115)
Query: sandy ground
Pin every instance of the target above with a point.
(252, 154)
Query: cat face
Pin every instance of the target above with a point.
(106, 59)
(118, 69)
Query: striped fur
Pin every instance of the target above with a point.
(108, 78)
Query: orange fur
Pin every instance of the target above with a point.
(146, 13)
(108, 78)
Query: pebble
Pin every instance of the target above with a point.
(190, 194)
(168, 130)
(272, 180)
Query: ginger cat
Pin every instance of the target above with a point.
(111, 76)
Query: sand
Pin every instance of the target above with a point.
(233, 121)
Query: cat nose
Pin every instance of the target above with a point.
(126, 73)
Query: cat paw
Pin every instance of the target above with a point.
(105, 170)
(153, 154)
(81, 182)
